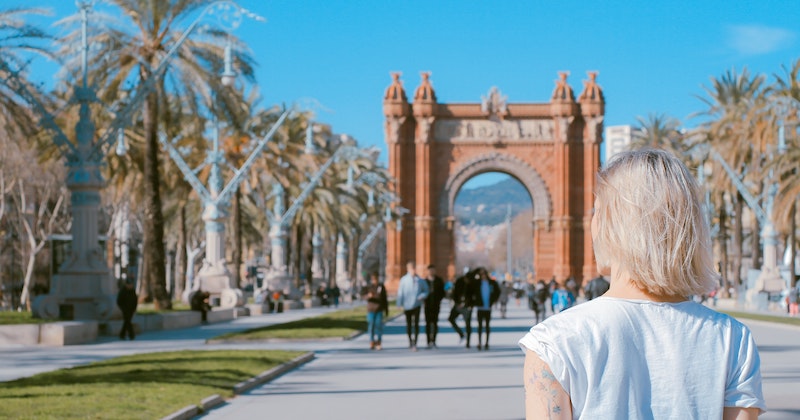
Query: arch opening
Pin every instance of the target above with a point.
(493, 212)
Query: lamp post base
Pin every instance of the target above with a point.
(219, 286)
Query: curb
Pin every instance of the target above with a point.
(286, 340)
(215, 400)
(273, 373)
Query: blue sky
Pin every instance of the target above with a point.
(653, 57)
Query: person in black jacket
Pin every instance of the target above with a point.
(377, 311)
(200, 302)
(463, 301)
(596, 288)
(127, 301)
(433, 305)
(486, 292)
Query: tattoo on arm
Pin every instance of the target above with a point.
(544, 395)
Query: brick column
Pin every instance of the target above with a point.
(593, 111)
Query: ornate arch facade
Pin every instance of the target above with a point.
(552, 148)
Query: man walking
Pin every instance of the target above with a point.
(596, 288)
(433, 305)
(411, 293)
(127, 301)
(463, 301)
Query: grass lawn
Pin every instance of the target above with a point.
(339, 324)
(144, 386)
(149, 308)
(764, 317)
(15, 318)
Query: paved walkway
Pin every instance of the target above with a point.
(348, 381)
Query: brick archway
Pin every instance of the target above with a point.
(551, 148)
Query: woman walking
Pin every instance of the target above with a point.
(377, 306)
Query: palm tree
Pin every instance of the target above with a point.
(659, 131)
(131, 50)
(787, 91)
(731, 101)
(18, 40)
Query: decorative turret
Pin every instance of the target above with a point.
(395, 92)
(562, 103)
(395, 102)
(591, 99)
(563, 91)
(425, 92)
(424, 96)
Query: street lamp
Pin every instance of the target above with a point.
(280, 217)
(214, 276)
(84, 288)
(769, 280)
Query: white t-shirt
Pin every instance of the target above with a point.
(637, 359)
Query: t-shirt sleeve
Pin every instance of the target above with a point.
(744, 379)
(540, 341)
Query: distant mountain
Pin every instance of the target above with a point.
(488, 205)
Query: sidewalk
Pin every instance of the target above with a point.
(17, 361)
(348, 381)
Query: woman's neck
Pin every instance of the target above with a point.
(622, 287)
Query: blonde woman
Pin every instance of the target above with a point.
(644, 350)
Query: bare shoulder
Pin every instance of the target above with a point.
(545, 398)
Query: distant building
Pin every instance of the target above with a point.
(618, 138)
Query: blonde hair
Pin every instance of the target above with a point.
(649, 221)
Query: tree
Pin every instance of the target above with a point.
(731, 101)
(131, 51)
(18, 40)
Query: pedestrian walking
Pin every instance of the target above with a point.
(541, 295)
(377, 307)
(596, 287)
(463, 302)
(648, 228)
(551, 288)
(488, 291)
(794, 298)
(127, 301)
(322, 295)
(505, 291)
(433, 305)
(411, 293)
(562, 299)
(335, 293)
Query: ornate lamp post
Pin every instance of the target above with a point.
(278, 278)
(84, 287)
(214, 276)
(769, 280)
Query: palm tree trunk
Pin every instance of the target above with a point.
(756, 241)
(723, 247)
(793, 243)
(738, 240)
(310, 262)
(297, 255)
(180, 260)
(155, 275)
(237, 238)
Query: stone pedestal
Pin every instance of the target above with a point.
(83, 289)
(214, 276)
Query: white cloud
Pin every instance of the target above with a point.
(759, 39)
